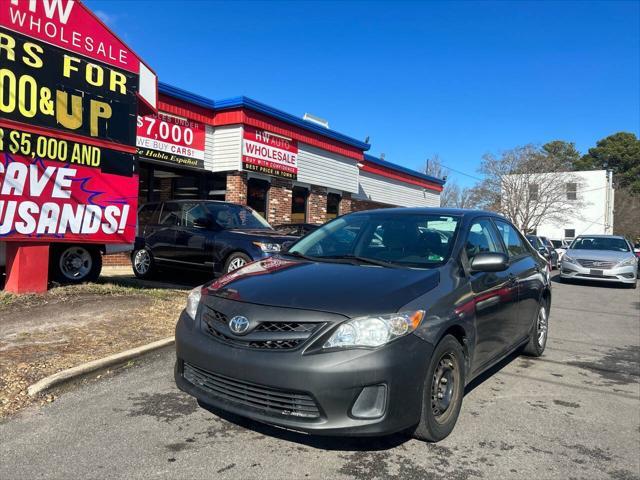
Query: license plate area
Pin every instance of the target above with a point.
(597, 273)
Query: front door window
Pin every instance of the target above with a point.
(257, 195)
(299, 204)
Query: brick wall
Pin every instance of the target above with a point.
(317, 205)
(236, 188)
(345, 204)
(116, 259)
(358, 205)
(279, 201)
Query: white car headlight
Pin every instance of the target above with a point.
(629, 262)
(192, 302)
(374, 331)
(268, 247)
(568, 259)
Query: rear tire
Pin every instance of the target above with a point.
(443, 391)
(539, 333)
(235, 261)
(143, 264)
(75, 264)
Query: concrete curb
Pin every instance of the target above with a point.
(74, 372)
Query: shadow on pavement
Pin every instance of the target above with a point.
(346, 444)
(173, 280)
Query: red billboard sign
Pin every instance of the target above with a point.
(69, 91)
(171, 139)
(269, 153)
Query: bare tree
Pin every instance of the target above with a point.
(433, 166)
(527, 185)
(454, 196)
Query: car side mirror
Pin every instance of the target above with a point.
(202, 222)
(543, 250)
(286, 245)
(489, 262)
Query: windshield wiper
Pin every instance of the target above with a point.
(370, 261)
(300, 255)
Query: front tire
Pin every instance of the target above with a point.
(74, 264)
(539, 333)
(235, 261)
(443, 391)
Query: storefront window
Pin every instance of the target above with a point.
(164, 183)
(299, 204)
(257, 195)
(333, 205)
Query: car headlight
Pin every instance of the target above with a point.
(268, 247)
(192, 302)
(629, 262)
(373, 331)
(568, 259)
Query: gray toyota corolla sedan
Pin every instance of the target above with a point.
(370, 325)
(603, 258)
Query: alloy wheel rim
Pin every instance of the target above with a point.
(142, 261)
(236, 263)
(443, 385)
(542, 327)
(75, 263)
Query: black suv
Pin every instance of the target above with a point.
(201, 234)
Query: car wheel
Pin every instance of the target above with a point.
(72, 264)
(235, 261)
(142, 263)
(443, 391)
(539, 333)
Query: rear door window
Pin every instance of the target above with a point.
(148, 214)
(170, 216)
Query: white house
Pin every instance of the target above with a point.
(594, 191)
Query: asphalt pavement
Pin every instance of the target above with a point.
(574, 413)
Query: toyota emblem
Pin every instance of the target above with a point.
(239, 324)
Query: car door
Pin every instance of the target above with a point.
(162, 240)
(495, 295)
(528, 274)
(193, 241)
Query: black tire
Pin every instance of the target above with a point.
(236, 260)
(447, 362)
(73, 264)
(539, 332)
(143, 264)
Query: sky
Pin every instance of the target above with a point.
(453, 79)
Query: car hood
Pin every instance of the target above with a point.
(346, 289)
(609, 255)
(272, 235)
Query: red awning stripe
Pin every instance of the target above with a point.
(403, 177)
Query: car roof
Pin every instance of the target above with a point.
(454, 212)
(601, 236)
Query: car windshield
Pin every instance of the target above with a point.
(393, 239)
(230, 216)
(557, 243)
(600, 243)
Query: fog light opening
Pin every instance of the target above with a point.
(371, 402)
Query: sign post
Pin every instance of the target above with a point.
(70, 93)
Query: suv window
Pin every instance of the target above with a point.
(191, 211)
(511, 238)
(170, 215)
(148, 214)
(482, 238)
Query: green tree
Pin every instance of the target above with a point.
(619, 153)
(565, 153)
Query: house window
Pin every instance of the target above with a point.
(333, 205)
(572, 191)
(533, 191)
(569, 233)
(299, 197)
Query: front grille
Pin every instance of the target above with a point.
(599, 264)
(270, 400)
(589, 275)
(265, 335)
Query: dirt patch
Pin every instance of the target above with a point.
(43, 334)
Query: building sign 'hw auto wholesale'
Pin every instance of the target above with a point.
(171, 139)
(269, 153)
(69, 97)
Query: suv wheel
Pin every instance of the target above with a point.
(142, 263)
(75, 264)
(443, 391)
(539, 333)
(235, 261)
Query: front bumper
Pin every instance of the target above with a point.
(333, 380)
(626, 274)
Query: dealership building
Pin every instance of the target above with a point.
(287, 168)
